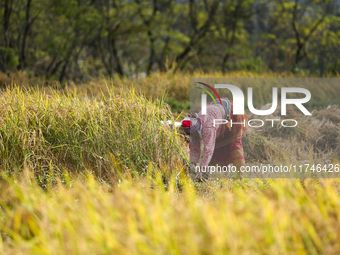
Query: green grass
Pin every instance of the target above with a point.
(89, 169)
(178, 106)
(57, 132)
(175, 88)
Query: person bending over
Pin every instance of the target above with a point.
(222, 142)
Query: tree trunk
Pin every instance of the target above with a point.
(25, 35)
(7, 15)
(152, 52)
(224, 61)
(119, 68)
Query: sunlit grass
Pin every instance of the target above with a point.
(91, 170)
(174, 88)
(51, 132)
(145, 217)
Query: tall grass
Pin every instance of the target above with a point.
(248, 217)
(175, 87)
(51, 133)
(65, 140)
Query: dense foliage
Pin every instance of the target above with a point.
(78, 39)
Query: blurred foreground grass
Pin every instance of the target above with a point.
(142, 216)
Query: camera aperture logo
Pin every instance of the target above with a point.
(238, 104)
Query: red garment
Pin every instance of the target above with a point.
(221, 146)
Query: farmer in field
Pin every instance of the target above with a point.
(222, 142)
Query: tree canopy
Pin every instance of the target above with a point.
(78, 39)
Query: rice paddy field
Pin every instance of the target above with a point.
(88, 168)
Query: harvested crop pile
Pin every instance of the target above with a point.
(316, 138)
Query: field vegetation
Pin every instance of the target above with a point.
(89, 169)
(86, 165)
